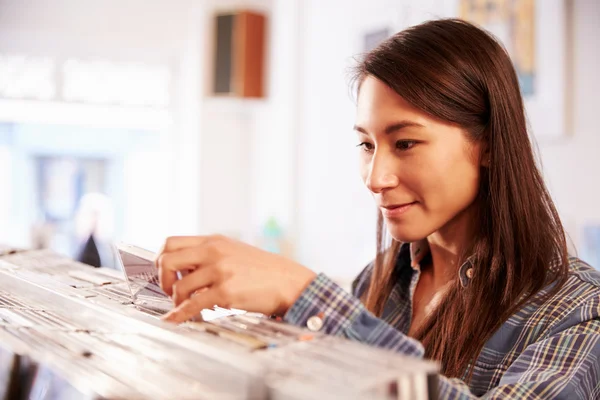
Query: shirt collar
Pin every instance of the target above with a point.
(419, 250)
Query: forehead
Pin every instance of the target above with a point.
(378, 103)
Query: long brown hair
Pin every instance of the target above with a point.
(457, 72)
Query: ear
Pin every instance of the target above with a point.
(486, 156)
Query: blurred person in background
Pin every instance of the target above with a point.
(94, 221)
(472, 267)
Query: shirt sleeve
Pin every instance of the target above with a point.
(565, 365)
(345, 315)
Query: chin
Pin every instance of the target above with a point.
(404, 233)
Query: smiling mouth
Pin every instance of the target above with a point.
(396, 210)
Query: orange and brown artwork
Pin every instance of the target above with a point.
(513, 22)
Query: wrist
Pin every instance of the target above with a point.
(292, 289)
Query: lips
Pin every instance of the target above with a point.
(394, 206)
(396, 210)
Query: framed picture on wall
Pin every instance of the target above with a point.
(535, 34)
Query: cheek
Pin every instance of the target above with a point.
(444, 189)
(453, 183)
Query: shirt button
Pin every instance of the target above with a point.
(469, 273)
(314, 323)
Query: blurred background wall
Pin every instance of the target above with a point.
(114, 99)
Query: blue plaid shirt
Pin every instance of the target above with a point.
(550, 351)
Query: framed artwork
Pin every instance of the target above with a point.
(513, 22)
(535, 36)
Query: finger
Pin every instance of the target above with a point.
(169, 264)
(192, 307)
(175, 243)
(197, 280)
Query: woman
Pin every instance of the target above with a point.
(476, 273)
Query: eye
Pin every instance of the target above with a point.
(366, 146)
(405, 144)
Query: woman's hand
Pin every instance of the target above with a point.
(229, 274)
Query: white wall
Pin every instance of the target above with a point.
(572, 166)
(247, 145)
(111, 28)
(277, 123)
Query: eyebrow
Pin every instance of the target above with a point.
(395, 127)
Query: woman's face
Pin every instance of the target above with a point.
(423, 172)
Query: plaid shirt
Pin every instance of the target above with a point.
(547, 351)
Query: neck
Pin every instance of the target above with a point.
(449, 244)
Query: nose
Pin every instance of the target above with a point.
(381, 173)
